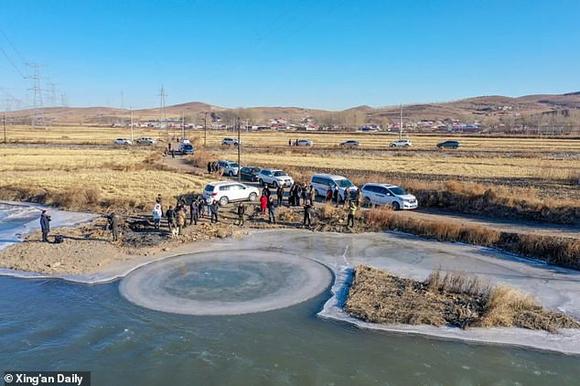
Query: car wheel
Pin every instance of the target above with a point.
(276, 185)
(224, 201)
(396, 206)
(261, 182)
(253, 197)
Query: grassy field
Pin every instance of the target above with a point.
(90, 177)
(104, 135)
(485, 167)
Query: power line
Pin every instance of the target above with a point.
(12, 63)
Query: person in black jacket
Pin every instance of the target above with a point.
(45, 225)
(193, 212)
(271, 211)
(280, 194)
(214, 209)
(241, 214)
(170, 214)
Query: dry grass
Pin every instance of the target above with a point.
(91, 179)
(438, 281)
(508, 307)
(453, 299)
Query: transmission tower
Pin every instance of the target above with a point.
(37, 102)
(162, 113)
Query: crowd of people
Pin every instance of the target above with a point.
(185, 213)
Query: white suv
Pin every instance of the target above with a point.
(385, 194)
(229, 168)
(230, 142)
(401, 143)
(274, 177)
(322, 182)
(304, 142)
(227, 191)
(123, 141)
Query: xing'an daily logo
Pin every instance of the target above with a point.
(43, 379)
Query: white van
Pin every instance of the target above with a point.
(322, 182)
(385, 194)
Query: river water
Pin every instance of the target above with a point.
(53, 324)
(116, 331)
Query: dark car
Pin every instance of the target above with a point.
(250, 173)
(448, 145)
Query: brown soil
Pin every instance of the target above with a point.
(453, 300)
(89, 248)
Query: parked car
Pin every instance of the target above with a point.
(350, 143)
(304, 142)
(274, 177)
(148, 141)
(123, 141)
(229, 191)
(385, 194)
(250, 173)
(185, 147)
(451, 144)
(230, 142)
(229, 168)
(322, 182)
(401, 143)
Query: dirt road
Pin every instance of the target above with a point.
(508, 225)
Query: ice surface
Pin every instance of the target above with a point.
(225, 283)
(18, 219)
(554, 287)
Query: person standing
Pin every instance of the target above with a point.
(308, 214)
(113, 221)
(336, 195)
(289, 142)
(280, 194)
(157, 213)
(263, 203)
(214, 209)
(241, 214)
(180, 217)
(209, 167)
(271, 211)
(351, 213)
(170, 214)
(45, 225)
(193, 212)
(266, 191)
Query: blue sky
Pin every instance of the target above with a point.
(326, 54)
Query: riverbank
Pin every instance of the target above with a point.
(404, 255)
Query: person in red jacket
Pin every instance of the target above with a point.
(263, 203)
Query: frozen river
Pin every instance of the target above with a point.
(159, 324)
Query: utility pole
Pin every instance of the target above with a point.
(4, 124)
(205, 129)
(239, 150)
(162, 115)
(132, 136)
(401, 124)
(182, 126)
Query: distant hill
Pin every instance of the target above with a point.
(470, 109)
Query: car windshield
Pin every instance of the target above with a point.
(280, 173)
(344, 183)
(209, 188)
(398, 191)
(234, 165)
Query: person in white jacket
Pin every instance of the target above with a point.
(157, 213)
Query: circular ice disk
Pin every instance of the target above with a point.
(225, 283)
